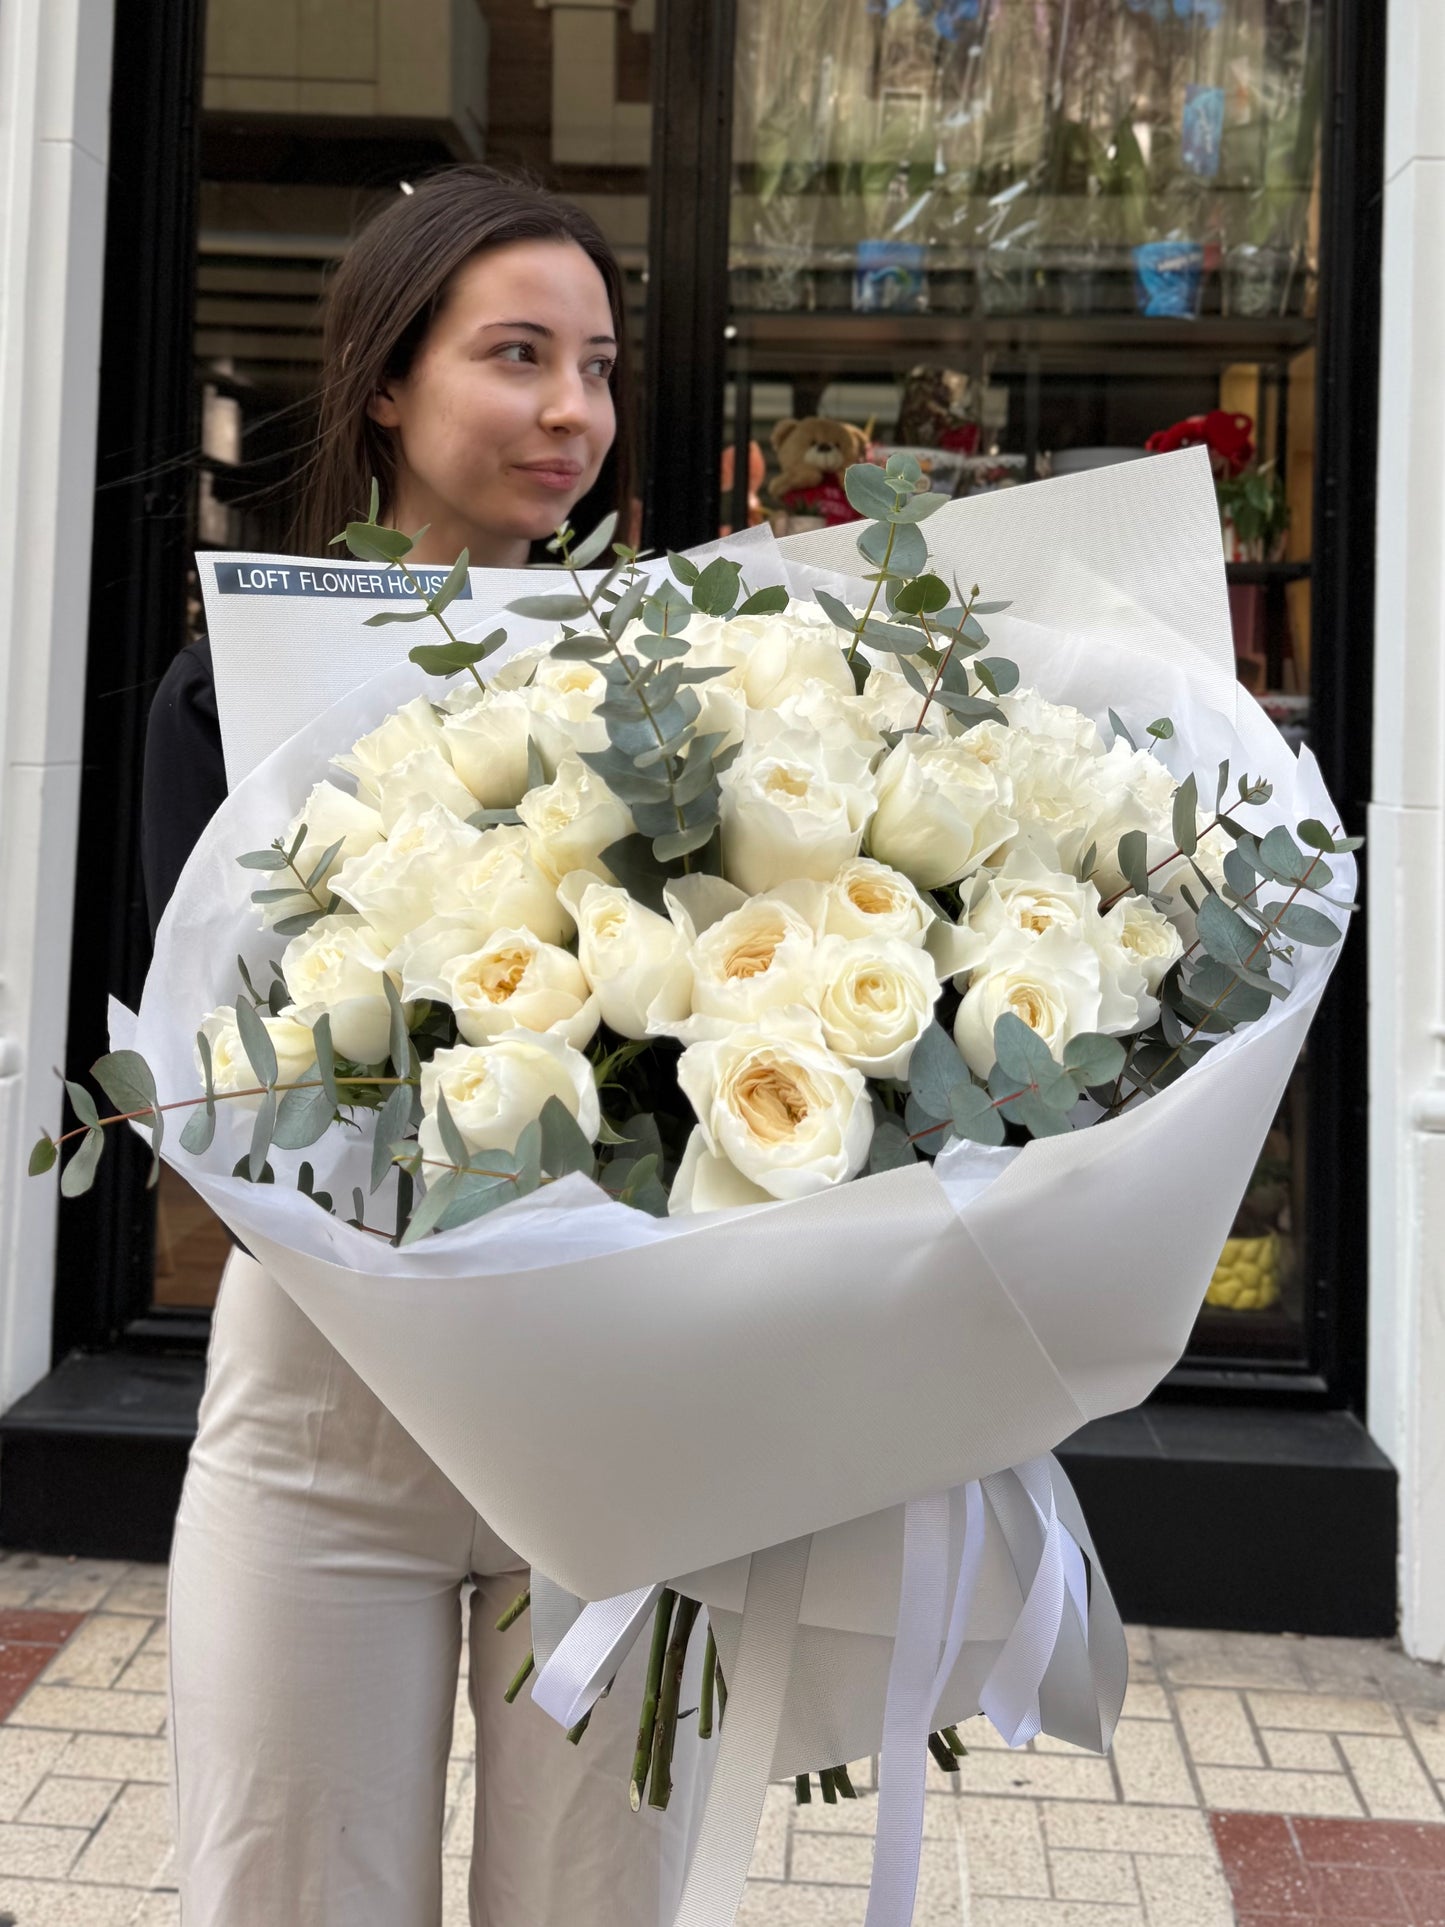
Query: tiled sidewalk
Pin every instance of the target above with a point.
(1265, 1782)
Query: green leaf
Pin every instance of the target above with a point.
(1186, 816)
(1120, 731)
(399, 1047)
(1038, 1117)
(261, 1135)
(973, 1114)
(301, 1118)
(446, 658)
(79, 1174)
(453, 1143)
(716, 589)
(626, 608)
(43, 1155)
(765, 602)
(565, 1146)
(1225, 934)
(838, 613)
(298, 925)
(1161, 729)
(869, 491)
(1093, 1059)
(632, 862)
(1133, 860)
(997, 674)
(256, 1042)
(890, 1149)
(904, 468)
(199, 1130)
(685, 571)
(391, 1123)
(476, 1195)
(1301, 924)
(644, 1189)
(433, 1207)
(263, 860)
(991, 608)
(126, 1079)
(384, 618)
(1022, 1054)
(678, 843)
(324, 862)
(1314, 833)
(935, 1066)
(581, 649)
(1286, 862)
(591, 546)
(910, 550)
(920, 507)
(370, 542)
(924, 595)
(550, 608)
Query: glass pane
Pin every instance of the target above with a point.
(314, 117)
(1025, 237)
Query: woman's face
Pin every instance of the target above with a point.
(505, 417)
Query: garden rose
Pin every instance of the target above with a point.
(337, 969)
(495, 1090)
(635, 960)
(941, 810)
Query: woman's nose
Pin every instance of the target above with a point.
(565, 411)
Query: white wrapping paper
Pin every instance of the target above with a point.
(628, 1400)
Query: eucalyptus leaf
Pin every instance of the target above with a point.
(910, 549)
(562, 607)
(1301, 924)
(1186, 816)
(890, 1149)
(384, 618)
(678, 843)
(765, 602)
(1286, 862)
(432, 1208)
(261, 1132)
(716, 589)
(42, 1156)
(79, 1174)
(1133, 860)
(1021, 1053)
(263, 860)
(565, 1145)
(934, 1067)
(256, 1042)
(391, 1123)
(1225, 934)
(325, 1058)
(591, 546)
(924, 595)
(446, 658)
(302, 1117)
(1093, 1059)
(1120, 730)
(869, 491)
(973, 1113)
(684, 570)
(298, 925)
(200, 1128)
(919, 507)
(399, 1045)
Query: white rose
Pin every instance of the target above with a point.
(774, 1101)
(413, 726)
(867, 898)
(417, 782)
(487, 742)
(758, 957)
(562, 698)
(509, 982)
(707, 1182)
(1051, 982)
(1149, 936)
(572, 821)
(1027, 709)
(1025, 899)
(942, 811)
(495, 1090)
(874, 999)
(635, 960)
(411, 876)
(793, 807)
(836, 721)
(517, 671)
(893, 703)
(499, 886)
(1060, 791)
(231, 1068)
(788, 652)
(337, 969)
(330, 815)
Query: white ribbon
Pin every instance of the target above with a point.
(756, 1693)
(590, 1652)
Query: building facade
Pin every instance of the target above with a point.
(1021, 240)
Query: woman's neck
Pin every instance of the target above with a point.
(446, 535)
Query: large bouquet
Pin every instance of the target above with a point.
(736, 1017)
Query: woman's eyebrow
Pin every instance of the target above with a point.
(546, 334)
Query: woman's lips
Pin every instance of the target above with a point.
(561, 476)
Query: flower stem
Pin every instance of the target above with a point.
(873, 599)
(954, 639)
(514, 1612)
(660, 1791)
(709, 1676)
(942, 1753)
(803, 1789)
(522, 1675)
(642, 1758)
(574, 1733)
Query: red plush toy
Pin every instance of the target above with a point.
(1229, 439)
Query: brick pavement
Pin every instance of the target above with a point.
(1256, 1781)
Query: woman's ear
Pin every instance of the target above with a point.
(383, 409)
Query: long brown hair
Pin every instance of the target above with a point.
(382, 300)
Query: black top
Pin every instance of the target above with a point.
(184, 779)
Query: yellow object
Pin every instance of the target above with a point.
(1247, 1275)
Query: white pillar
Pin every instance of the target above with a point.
(1407, 848)
(54, 126)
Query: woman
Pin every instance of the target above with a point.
(475, 362)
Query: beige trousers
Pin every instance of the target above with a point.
(317, 1575)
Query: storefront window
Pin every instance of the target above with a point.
(313, 119)
(1025, 237)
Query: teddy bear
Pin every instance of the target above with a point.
(813, 454)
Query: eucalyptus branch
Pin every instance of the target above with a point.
(1162, 864)
(955, 637)
(997, 1105)
(216, 1097)
(873, 599)
(1229, 988)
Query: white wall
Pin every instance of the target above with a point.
(54, 121)
(1407, 852)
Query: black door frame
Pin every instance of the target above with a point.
(147, 431)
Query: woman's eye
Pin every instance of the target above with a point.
(601, 366)
(517, 351)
